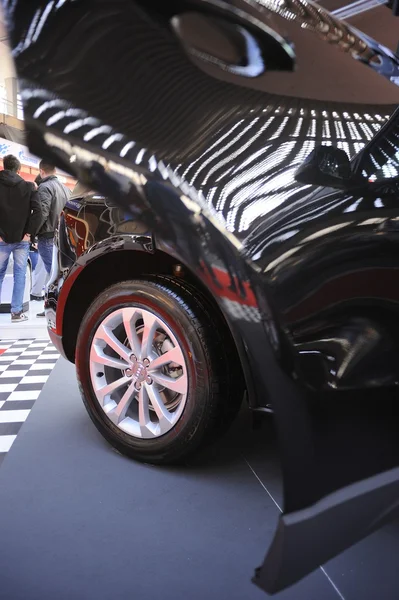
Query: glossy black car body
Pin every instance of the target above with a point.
(198, 159)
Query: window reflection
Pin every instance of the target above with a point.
(380, 160)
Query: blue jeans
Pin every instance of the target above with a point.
(34, 257)
(45, 247)
(20, 252)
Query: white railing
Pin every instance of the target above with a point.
(7, 108)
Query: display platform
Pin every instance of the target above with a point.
(34, 328)
(80, 521)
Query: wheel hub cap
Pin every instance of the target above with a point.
(137, 371)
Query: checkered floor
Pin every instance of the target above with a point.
(25, 366)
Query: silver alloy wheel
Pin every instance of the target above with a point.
(138, 372)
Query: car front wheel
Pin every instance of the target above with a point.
(157, 369)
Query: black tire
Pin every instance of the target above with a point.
(215, 386)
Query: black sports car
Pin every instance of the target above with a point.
(242, 240)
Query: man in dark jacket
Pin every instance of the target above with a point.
(20, 216)
(53, 196)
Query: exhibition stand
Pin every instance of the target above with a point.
(80, 521)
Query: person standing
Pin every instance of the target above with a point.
(20, 216)
(39, 274)
(53, 196)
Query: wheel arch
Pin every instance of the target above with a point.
(105, 271)
(97, 275)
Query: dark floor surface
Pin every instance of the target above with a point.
(78, 521)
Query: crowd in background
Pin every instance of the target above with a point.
(29, 214)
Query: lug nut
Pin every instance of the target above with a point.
(133, 358)
(138, 386)
(128, 373)
(146, 362)
(149, 380)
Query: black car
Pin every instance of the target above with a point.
(242, 240)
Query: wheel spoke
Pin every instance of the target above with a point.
(144, 410)
(150, 325)
(175, 355)
(175, 385)
(105, 334)
(97, 356)
(164, 416)
(129, 324)
(111, 387)
(119, 412)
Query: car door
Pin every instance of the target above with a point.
(171, 113)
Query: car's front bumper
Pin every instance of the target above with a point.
(57, 341)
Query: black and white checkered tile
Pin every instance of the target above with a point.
(242, 311)
(25, 366)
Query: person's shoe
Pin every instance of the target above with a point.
(36, 298)
(18, 317)
(42, 314)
